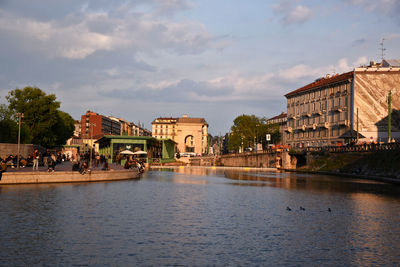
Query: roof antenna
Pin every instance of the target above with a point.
(383, 49)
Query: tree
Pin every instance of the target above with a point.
(47, 125)
(248, 130)
(9, 127)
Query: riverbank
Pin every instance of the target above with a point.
(63, 174)
(299, 170)
(215, 168)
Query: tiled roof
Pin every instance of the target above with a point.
(192, 120)
(280, 116)
(322, 82)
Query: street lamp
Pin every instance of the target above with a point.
(19, 116)
(91, 143)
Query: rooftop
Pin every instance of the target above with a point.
(322, 82)
(280, 116)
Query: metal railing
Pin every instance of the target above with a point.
(367, 147)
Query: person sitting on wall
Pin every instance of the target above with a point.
(75, 166)
(3, 168)
(127, 164)
(105, 166)
(84, 168)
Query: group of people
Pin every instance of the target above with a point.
(50, 160)
(133, 163)
(82, 165)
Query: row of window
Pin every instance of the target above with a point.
(320, 132)
(164, 126)
(341, 101)
(332, 117)
(338, 89)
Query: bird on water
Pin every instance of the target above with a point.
(301, 208)
(329, 209)
(287, 208)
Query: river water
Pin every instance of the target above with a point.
(198, 217)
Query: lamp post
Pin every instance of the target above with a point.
(91, 143)
(19, 116)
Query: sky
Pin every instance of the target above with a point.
(215, 59)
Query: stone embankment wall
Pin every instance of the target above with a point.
(367, 163)
(12, 149)
(264, 159)
(66, 177)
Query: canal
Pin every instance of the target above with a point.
(199, 217)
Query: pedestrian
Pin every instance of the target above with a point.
(3, 168)
(45, 156)
(35, 160)
(51, 163)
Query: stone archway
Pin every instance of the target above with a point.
(189, 143)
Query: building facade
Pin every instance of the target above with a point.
(190, 134)
(281, 120)
(157, 150)
(93, 124)
(321, 112)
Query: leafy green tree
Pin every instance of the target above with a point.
(248, 130)
(47, 125)
(9, 127)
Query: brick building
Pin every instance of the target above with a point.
(94, 124)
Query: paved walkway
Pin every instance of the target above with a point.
(64, 166)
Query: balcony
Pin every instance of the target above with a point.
(324, 125)
(344, 122)
(317, 112)
(288, 129)
(338, 108)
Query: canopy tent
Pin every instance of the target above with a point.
(126, 152)
(139, 153)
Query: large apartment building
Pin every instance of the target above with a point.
(281, 121)
(93, 124)
(321, 112)
(190, 134)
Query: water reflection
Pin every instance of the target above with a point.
(290, 180)
(202, 217)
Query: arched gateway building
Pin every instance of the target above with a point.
(190, 134)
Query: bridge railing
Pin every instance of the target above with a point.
(367, 147)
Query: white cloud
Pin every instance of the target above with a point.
(386, 7)
(360, 61)
(272, 84)
(80, 35)
(291, 13)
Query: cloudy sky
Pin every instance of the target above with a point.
(216, 59)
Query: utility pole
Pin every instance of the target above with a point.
(357, 126)
(19, 116)
(389, 115)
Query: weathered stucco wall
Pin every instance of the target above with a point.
(371, 89)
